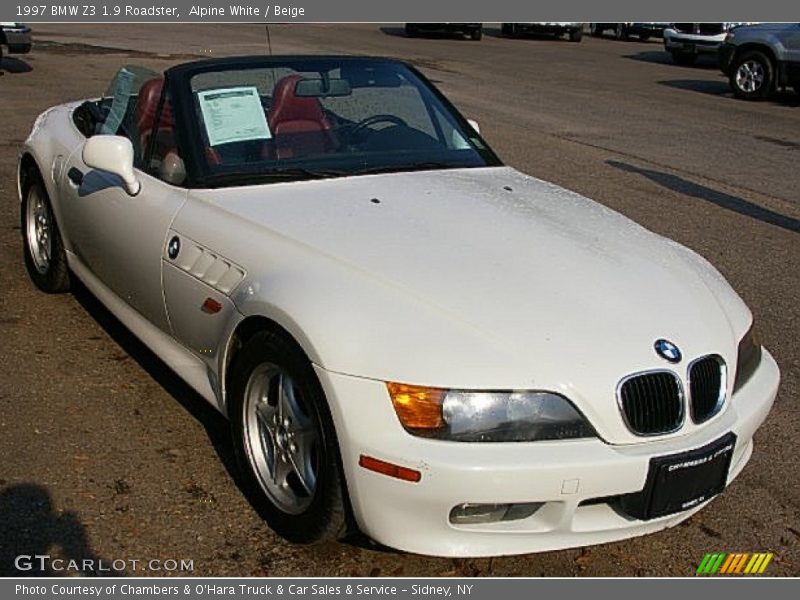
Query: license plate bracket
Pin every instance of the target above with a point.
(680, 482)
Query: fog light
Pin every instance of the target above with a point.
(471, 514)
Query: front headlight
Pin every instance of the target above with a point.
(490, 416)
(747, 360)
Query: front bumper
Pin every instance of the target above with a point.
(571, 478)
(688, 43)
(18, 39)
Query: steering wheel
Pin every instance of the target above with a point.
(374, 120)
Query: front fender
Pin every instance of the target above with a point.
(349, 323)
(53, 138)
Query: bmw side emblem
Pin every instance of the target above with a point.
(174, 247)
(668, 351)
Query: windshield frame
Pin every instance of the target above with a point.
(178, 80)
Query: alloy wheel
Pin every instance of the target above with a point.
(39, 220)
(750, 76)
(281, 438)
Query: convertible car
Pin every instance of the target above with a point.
(408, 337)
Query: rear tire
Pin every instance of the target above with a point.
(576, 35)
(752, 76)
(595, 30)
(621, 32)
(475, 35)
(643, 37)
(43, 249)
(683, 58)
(285, 441)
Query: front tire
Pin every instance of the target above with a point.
(476, 34)
(285, 441)
(621, 32)
(43, 249)
(576, 35)
(595, 30)
(752, 76)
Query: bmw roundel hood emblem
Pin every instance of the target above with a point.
(668, 351)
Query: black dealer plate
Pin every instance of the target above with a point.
(682, 481)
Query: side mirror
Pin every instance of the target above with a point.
(474, 124)
(112, 154)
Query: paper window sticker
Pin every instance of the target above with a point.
(233, 115)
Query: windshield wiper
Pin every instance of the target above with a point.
(420, 166)
(301, 174)
(270, 176)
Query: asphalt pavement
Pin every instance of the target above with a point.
(107, 454)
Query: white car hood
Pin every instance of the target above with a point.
(539, 287)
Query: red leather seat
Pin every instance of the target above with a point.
(298, 124)
(146, 107)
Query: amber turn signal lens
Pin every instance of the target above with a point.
(390, 469)
(417, 407)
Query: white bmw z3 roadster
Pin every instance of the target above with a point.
(407, 336)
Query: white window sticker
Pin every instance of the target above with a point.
(233, 115)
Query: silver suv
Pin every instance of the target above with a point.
(761, 58)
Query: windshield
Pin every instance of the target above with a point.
(325, 118)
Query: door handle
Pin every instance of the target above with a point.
(75, 176)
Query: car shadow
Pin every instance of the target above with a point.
(395, 31)
(10, 64)
(721, 199)
(633, 38)
(723, 88)
(215, 425)
(703, 86)
(525, 35)
(30, 528)
(663, 58)
(433, 35)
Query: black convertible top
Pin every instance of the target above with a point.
(256, 60)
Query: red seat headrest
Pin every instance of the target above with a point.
(147, 105)
(287, 106)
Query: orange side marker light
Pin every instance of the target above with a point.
(390, 469)
(211, 306)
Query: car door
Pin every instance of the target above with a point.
(120, 238)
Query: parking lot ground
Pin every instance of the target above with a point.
(106, 453)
